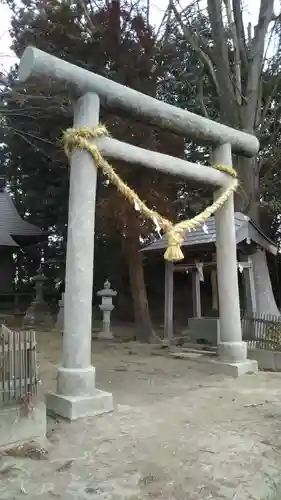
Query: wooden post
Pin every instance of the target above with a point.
(196, 294)
(249, 327)
(214, 285)
(169, 301)
(214, 289)
(249, 287)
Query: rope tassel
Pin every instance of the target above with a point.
(175, 241)
(84, 138)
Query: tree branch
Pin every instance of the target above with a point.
(238, 19)
(23, 136)
(201, 96)
(270, 98)
(229, 109)
(256, 53)
(236, 49)
(194, 43)
(249, 33)
(3, 79)
(87, 16)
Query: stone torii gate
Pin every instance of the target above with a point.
(76, 395)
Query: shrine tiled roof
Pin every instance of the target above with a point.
(245, 229)
(11, 223)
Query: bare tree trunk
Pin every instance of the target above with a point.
(138, 288)
(264, 294)
(247, 116)
(248, 201)
(247, 198)
(239, 91)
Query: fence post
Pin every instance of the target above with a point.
(231, 349)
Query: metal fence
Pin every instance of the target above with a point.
(18, 369)
(262, 331)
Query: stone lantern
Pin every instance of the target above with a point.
(39, 281)
(38, 313)
(106, 307)
(60, 317)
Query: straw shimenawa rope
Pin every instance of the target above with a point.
(84, 138)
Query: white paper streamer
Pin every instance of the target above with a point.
(156, 223)
(136, 207)
(199, 267)
(241, 268)
(205, 228)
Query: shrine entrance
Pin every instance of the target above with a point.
(88, 146)
(200, 261)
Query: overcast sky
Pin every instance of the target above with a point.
(158, 8)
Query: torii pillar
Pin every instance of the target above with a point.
(76, 394)
(232, 351)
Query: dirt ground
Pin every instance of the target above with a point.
(177, 433)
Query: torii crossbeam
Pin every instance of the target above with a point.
(76, 395)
